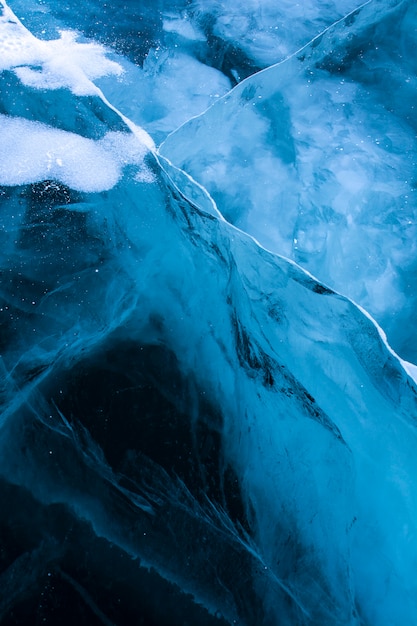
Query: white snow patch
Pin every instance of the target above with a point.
(52, 64)
(31, 151)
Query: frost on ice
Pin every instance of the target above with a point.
(194, 429)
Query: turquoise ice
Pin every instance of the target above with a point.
(201, 421)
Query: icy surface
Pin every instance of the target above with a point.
(179, 57)
(325, 161)
(194, 429)
(269, 31)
